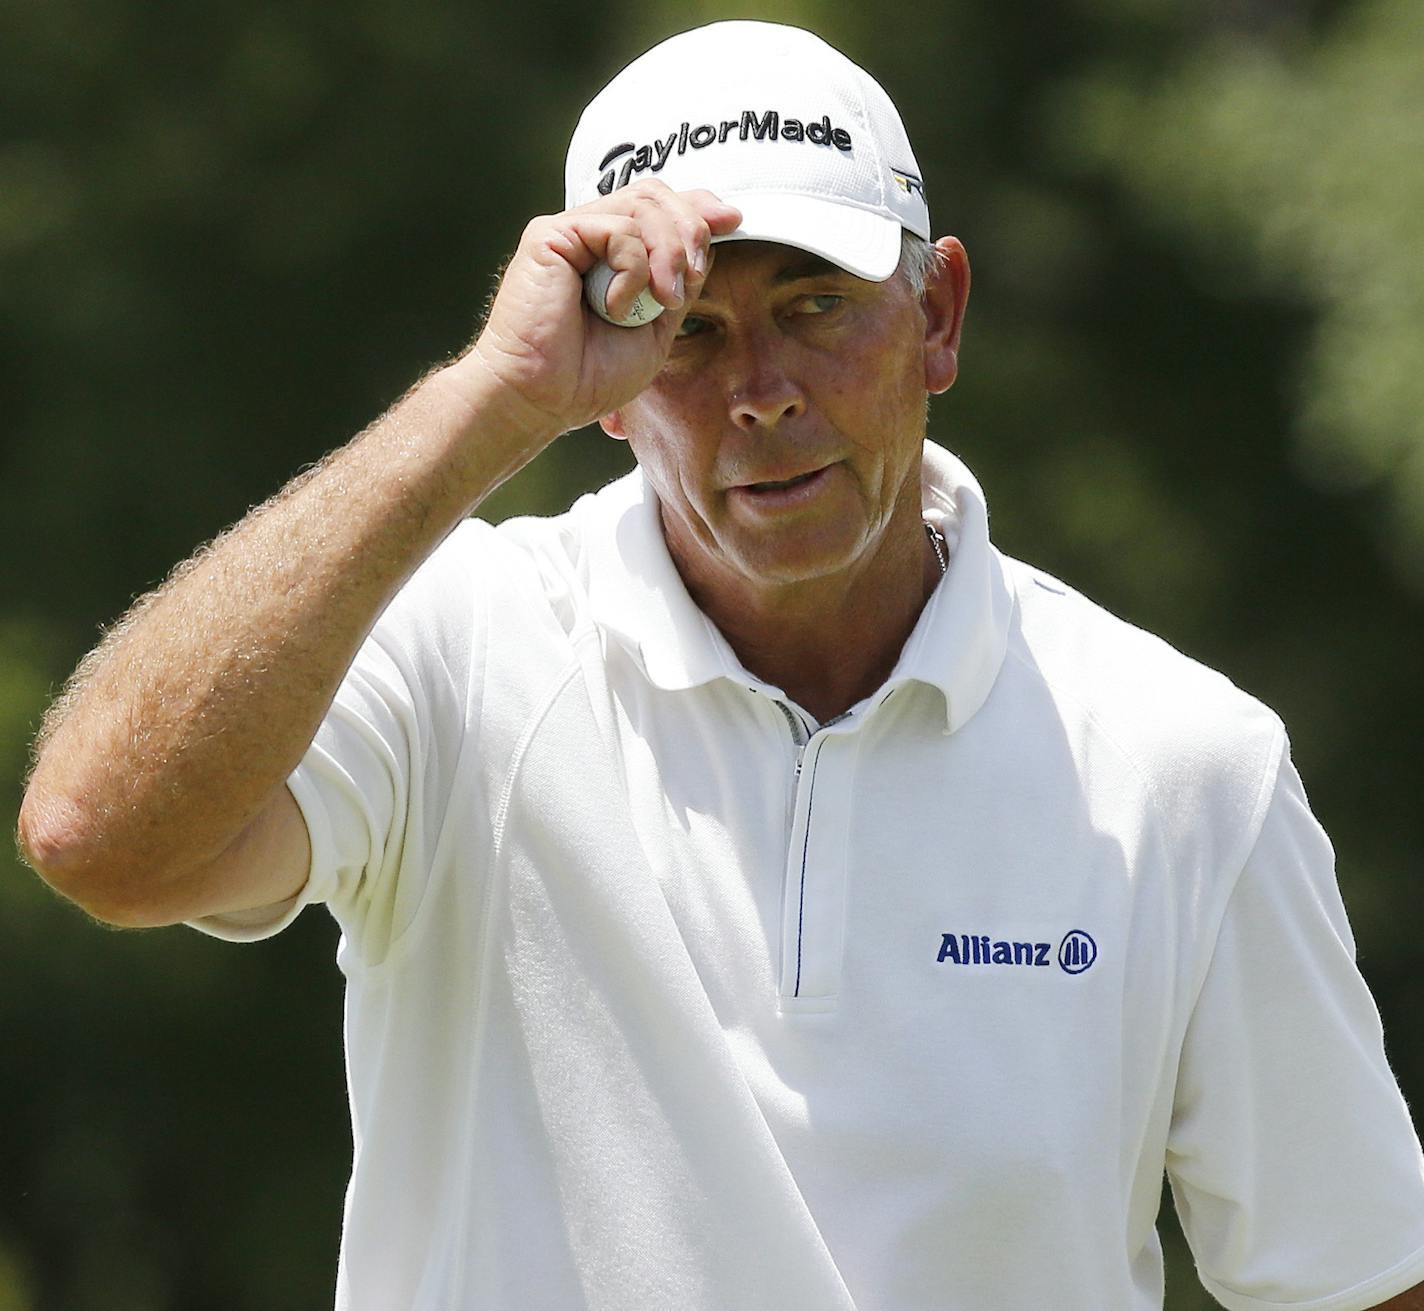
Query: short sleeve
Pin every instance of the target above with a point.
(375, 783)
(1296, 1170)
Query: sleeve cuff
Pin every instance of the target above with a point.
(267, 921)
(1394, 1281)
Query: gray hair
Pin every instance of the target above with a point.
(919, 261)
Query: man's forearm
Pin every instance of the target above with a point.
(170, 745)
(175, 731)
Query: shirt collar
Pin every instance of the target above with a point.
(637, 597)
(959, 643)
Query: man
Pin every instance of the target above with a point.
(756, 891)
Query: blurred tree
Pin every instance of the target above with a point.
(1294, 163)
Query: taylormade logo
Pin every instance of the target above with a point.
(767, 126)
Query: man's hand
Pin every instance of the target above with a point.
(553, 355)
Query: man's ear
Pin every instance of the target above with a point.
(612, 424)
(946, 295)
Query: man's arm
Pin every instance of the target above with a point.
(158, 793)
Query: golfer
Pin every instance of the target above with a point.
(757, 892)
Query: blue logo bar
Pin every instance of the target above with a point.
(1077, 952)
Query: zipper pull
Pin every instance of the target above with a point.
(800, 756)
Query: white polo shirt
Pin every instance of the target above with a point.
(659, 994)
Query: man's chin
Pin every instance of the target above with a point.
(803, 559)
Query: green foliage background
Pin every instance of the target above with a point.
(230, 233)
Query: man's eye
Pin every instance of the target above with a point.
(693, 326)
(821, 304)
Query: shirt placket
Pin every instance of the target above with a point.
(816, 882)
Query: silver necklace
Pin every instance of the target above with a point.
(937, 541)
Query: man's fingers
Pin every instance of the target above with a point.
(637, 250)
(627, 256)
(713, 218)
(557, 359)
(688, 236)
(651, 238)
(721, 217)
(677, 229)
(697, 216)
(667, 256)
(644, 249)
(625, 252)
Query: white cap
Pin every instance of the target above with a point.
(772, 120)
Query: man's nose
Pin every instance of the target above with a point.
(762, 391)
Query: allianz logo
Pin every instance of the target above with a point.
(1076, 952)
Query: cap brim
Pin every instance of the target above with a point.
(859, 241)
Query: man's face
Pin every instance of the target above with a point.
(784, 434)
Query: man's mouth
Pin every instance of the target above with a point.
(784, 482)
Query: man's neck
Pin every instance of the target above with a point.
(828, 642)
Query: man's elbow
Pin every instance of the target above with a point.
(50, 836)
